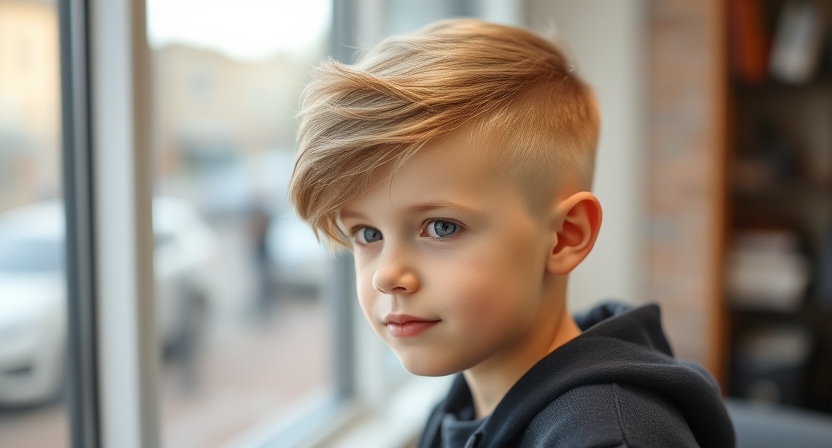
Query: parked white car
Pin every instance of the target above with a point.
(33, 300)
(298, 262)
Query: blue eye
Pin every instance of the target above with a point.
(439, 228)
(367, 235)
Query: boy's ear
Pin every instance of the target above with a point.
(577, 221)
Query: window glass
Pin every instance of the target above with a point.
(403, 16)
(245, 332)
(33, 322)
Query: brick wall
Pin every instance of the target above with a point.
(685, 159)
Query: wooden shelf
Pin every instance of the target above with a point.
(784, 190)
(773, 86)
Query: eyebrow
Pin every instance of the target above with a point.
(427, 206)
(419, 207)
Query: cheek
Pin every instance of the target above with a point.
(494, 284)
(364, 287)
(483, 288)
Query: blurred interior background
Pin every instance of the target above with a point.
(714, 171)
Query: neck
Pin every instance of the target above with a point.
(490, 381)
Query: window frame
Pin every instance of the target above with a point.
(82, 347)
(111, 344)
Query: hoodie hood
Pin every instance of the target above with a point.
(619, 344)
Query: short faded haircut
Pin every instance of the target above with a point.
(507, 84)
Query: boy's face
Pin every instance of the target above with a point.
(450, 264)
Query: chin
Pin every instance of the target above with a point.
(426, 366)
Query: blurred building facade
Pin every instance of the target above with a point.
(29, 102)
(207, 106)
(209, 110)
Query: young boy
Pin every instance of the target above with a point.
(456, 163)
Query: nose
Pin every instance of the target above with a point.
(395, 273)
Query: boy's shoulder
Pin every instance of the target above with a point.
(609, 414)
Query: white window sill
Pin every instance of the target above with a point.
(397, 422)
(393, 423)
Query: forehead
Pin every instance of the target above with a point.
(451, 169)
(446, 161)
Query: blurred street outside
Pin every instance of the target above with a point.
(249, 367)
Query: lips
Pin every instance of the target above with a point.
(406, 326)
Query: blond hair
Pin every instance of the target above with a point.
(504, 82)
